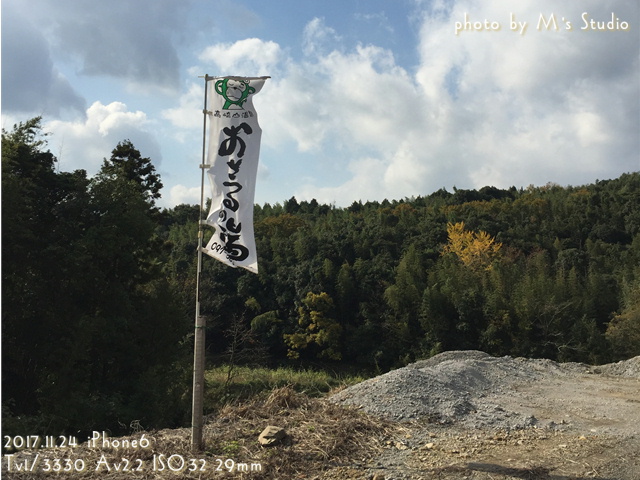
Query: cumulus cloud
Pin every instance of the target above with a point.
(179, 194)
(347, 100)
(188, 114)
(249, 57)
(367, 176)
(483, 108)
(533, 107)
(480, 108)
(83, 144)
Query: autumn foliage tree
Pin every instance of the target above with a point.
(475, 250)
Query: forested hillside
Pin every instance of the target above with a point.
(546, 272)
(99, 284)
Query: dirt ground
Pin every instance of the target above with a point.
(585, 425)
(588, 427)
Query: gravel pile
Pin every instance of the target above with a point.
(628, 368)
(461, 387)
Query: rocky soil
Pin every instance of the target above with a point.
(469, 415)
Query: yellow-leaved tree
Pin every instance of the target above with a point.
(475, 250)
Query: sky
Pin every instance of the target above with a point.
(367, 100)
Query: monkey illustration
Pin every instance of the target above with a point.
(235, 92)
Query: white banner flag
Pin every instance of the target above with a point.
(234, 148)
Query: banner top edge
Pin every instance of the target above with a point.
(233, 77)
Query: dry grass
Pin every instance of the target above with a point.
(320, 436)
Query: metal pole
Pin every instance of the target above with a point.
(197, 417)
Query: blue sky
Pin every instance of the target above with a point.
(369, 99)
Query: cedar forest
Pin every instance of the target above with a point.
(98, 285)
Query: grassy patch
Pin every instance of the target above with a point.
(245, 383)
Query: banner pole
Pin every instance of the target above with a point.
(197, 417)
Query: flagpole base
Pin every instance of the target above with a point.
(197, 416)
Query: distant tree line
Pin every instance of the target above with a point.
(99, 284)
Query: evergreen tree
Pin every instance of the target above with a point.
(127, 163)
(91, 330)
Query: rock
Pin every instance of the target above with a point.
(272, 436)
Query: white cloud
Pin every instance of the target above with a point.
(188, 115)
(480, 108)
(318, 38)
(366, 183)
(373, 101)
(106, 118)
(348, 100)
(295, 109)
(406, 172)
(249, 57)
(344, 121)
(179, 194)
(529, 108)
(83, 144)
